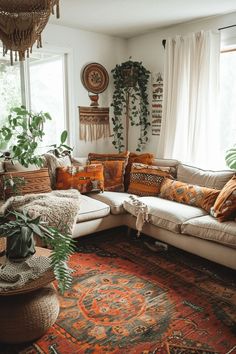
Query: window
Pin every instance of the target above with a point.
(39, 84)
(227, 117)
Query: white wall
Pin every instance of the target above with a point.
(148, 49)
(84, 47)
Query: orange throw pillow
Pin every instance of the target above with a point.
(225, 204)
(145, 158)
(85, 179)
(190, 194)
(145, 180)
(113, 175)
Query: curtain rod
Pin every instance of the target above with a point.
(222, 28)
(219, 29)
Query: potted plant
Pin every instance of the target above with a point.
(25, 129)
(20, 230)
(130, 97)
(230, 157)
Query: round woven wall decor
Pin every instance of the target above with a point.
(95, 78)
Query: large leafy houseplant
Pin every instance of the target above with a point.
(25, 131)
(20, 229)
(130, 97)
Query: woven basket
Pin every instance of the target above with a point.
(27, 317)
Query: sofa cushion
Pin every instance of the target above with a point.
(208, 228)
(113, 174)
(145, 180)
(91, 209)
(145, 158)
(37, 181)
(114, 169)
(190, 194)
(167, 214)
(172, 163)
(114, 199)
(204, 178)
(85, 179)
(225, 205)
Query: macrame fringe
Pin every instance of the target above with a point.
(21, 25)
(90, 132)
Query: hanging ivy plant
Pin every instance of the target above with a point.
(130, 98)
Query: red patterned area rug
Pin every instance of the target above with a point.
(127, 299)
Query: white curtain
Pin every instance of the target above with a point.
(191, 77)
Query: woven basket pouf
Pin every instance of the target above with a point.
(25, 317)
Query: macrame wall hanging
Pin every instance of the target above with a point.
(94, 120)
(21, 24)
(94, 123)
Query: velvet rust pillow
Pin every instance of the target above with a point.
(145, 158)
(145, 180)
(85, 179)
(113, 172)
(225, 204)
(190, 194)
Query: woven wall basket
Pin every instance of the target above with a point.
(21, 24)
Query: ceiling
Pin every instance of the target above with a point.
(128, 18)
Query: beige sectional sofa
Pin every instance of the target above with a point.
(183, 226)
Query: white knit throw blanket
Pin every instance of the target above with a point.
(139, 209)
(57, 208)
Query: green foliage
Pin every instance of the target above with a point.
(130, 80)
(230, 157)
(26, 130)
(62, 149)
(20, 227)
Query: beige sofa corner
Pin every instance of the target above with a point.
(183, 226)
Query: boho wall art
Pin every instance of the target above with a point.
(94, 123)
(157, 98)
(94, 120)
(95, 79)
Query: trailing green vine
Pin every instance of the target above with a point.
(130, 97)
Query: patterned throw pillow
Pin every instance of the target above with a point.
(145, 158)
(37, 181)
(85, 179)
(113, 171)
(145, 180)
(113, 175)
(190, 194)
(225, 204)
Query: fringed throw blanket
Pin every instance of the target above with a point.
(94, 123)
(57, 208)
(139, 209)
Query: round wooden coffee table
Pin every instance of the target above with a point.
(28, 312)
